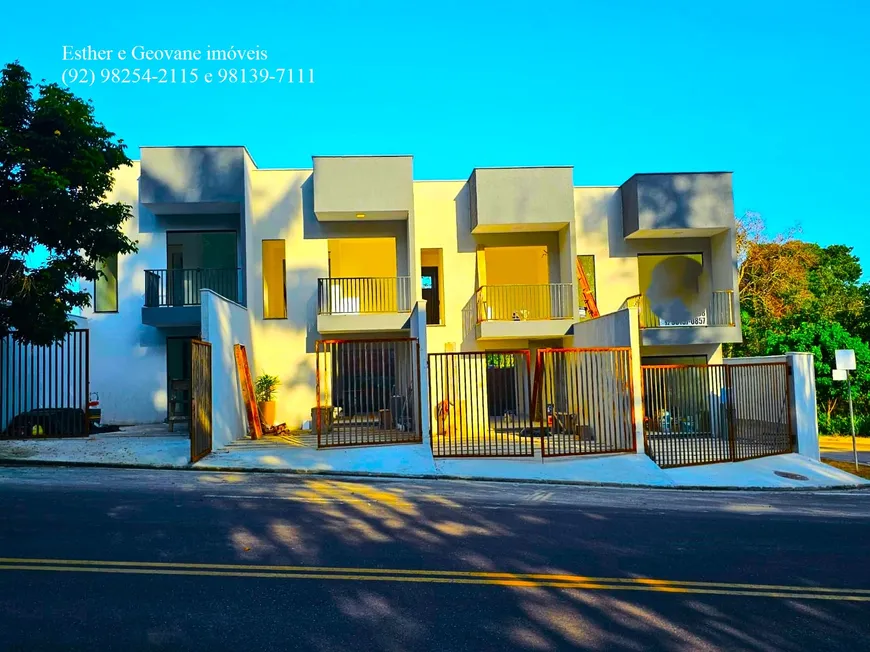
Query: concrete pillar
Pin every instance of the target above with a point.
(418, 330)
(802, 403)
(636, 378)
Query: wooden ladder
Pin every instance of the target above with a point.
(588, 297)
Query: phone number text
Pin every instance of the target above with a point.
(91, 76)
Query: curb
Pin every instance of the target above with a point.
(425, 476)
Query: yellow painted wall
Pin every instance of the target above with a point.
(437, 207)
(526, 265)
(442, 221)
(281, 346)
(355, 257)
(365, 257)
(434, 258)
(274, 257)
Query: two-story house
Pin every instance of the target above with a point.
(506, 259)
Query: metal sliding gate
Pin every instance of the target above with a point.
(368, 392)
(44, 389)
(705, 414)
(584, 400)
(481, 404)
(200, 401)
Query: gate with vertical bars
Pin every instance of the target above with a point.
(200, 400)
(704, 414)
(481, 404)
(44, 389)
(368, 392)
(584, 401)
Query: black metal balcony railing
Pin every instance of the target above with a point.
(350, 296)
(180, 287)
(518, 303)
(720, 312)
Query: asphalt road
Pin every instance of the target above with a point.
(98, 559)
(843, 456)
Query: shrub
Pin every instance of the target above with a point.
(265, 387)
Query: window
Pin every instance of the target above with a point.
(431, 265)
(274, 280)
(106, 287)
(587, 264)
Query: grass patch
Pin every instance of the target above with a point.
(849, 467)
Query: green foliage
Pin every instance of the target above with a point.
(839, 425)
(834, 284)
(56, 165)
(265, 387)
(822, 339)
(800, 296)
(499, 360)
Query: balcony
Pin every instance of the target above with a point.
(714, 323)
(519, 311)
(172, 295)
(361, 304)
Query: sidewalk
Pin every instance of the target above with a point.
(159, 450)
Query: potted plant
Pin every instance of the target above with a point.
(264, 389)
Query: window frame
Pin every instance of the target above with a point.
(283, 274)
(103, 263)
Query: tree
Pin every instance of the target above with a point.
(835, 285)
(772, 273)
(822, 339)
(56, 165)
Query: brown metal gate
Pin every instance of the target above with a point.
(200, 401)
(481, 404)
(704, 414)
(584, 401)
(368, 392)
(44, 389)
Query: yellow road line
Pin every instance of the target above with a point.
(413, 575)
(443, 580)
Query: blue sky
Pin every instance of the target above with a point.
(775, 91)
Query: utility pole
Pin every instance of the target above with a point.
(845, 359)
(852, 421)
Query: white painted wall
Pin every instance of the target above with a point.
(418, 330)
(225, 324)
(804, 414)
(128, 359)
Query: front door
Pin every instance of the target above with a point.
(431, 294)
(178, 375)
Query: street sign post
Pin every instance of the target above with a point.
(845, 359)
